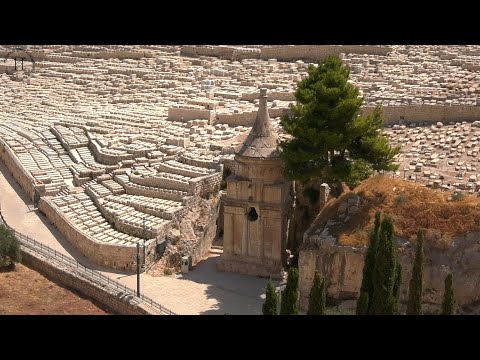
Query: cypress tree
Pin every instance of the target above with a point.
(396, 289)
(316, 299)
(448, 305)
(366, 289)
(385, 271)
(414, 306)
(362, 303)
(270, 305)
(290, 294)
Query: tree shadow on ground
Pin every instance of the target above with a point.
(236, 294)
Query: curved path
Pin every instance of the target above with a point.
(202, 291)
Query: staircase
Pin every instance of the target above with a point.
(216, 249)
(217, 246)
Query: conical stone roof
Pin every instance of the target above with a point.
(261, 142)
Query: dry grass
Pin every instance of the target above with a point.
(412, 207)
(26, 292)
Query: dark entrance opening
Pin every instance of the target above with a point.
(252, 214)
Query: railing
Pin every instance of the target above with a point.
(82, 270)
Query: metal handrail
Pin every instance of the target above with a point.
(84, 271)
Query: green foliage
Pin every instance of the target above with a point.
(448, 304)
(396, 289)
(362, 303)
(414, 305)
(458, 196)
(385, 273)
(226, 173)
(312, 194)
(329, 138)
(9, 247)
(167, 271)
(316, 299)
(366, 289)
(401, 199)
(290, 294)
(270, 305)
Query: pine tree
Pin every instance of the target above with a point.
(290, 294)
(329, 140)
(385, 272)
(317, 299)
(449, 304)
(270, 305)
(366, 290)
(414, 306)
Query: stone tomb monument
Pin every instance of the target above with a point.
(257, 204)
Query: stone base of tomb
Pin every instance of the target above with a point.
(252, 266)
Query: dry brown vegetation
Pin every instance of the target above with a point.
(412, 206)
(26, 292)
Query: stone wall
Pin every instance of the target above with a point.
(23, 177)
(427, 113)
(185, 114)
(207, 164)
(246, 118)
(121, 257)
(116, 54)
(342, 267)
(107, 159)
(393, 114)
(283, 52)
(202, 248)
(175, 170)
(272, 95)
(64, 143)
(205, 185)
(224, 52)
(318, 52)
(154, 192)
(108, 298)
(157, 181)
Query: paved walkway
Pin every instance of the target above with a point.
(202, 291)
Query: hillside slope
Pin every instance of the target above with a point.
(336, 242)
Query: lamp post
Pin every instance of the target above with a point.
(144, 240)
(138, 269)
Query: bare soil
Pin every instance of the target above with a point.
(412, 206)
(27, 292)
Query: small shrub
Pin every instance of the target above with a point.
(9, 248)
(458, 196)
(400, 199)
(167, 271)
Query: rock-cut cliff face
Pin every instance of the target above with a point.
(328, 247)
(342, 267)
